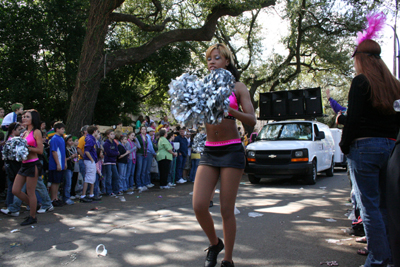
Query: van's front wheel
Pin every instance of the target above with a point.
(253, 179)
(312, 177)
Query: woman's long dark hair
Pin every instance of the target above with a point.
(385, 88)
(35, 118)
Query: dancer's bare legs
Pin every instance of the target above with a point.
(205, 182)
(204, 186)
(230, 180)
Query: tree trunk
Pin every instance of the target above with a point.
(90, 73)
(91, 65)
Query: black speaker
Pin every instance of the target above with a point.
(296, 103)
(279, 100)
(313, 101)
(265, 104)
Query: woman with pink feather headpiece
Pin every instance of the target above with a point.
(369, 135)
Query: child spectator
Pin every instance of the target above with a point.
(123, 162)
(99, 173)
(90, 159)
(57, 162)
(75, 174)
(141, 160)
(71, 155)
(109, 166)
(132, 145)
(17, 109)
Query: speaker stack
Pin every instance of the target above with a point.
(294, 104)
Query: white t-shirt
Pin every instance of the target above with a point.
(8, 119)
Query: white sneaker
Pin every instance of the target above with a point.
(142, 189)
(171, 184)
(181, 181)
(42, 210)
(72, 197)
(149, 185)
(7, 212)
(165, 187)
(130, 193)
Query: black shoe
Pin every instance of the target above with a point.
(57, 203)
(29, 220)
(227, 264)
(212, 254)
(85, 200)
(356, 231)
(211, 204)
(95, 198)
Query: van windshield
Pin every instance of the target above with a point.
(286, 131)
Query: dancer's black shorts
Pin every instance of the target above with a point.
(230, 156)
(28, 169)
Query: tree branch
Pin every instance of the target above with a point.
(205, 33)
(119, 17)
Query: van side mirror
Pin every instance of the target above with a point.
(320, 136)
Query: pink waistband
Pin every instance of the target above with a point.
(224, 143)
(30, 160)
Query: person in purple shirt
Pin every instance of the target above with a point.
(90, 159)
(111, 174)
(334, 104)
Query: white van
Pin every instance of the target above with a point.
(287, 149)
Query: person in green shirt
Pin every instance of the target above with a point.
(164, 158)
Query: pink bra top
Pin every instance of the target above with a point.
(233, 103)
(30, 139)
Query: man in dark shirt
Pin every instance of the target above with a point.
(182, 155)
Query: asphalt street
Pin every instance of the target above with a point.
(158, 228)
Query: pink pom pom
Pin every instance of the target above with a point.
(375, 24)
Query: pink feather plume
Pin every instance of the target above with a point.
(375, 24)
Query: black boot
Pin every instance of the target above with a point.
(227, 264)
(212, 254)
(29, 220)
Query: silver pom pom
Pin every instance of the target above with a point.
(15, 149)
(194, 102)
(199, 141)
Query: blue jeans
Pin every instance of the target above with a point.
(10, 196)
(67, 184)
(195, 164)
(368, 159)
(112, 178)
(140, 170)
(41, 189)
(96, 189)
(130, 174)
(171, 175)
(122, 176)
(147, 177)
(180, 164)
